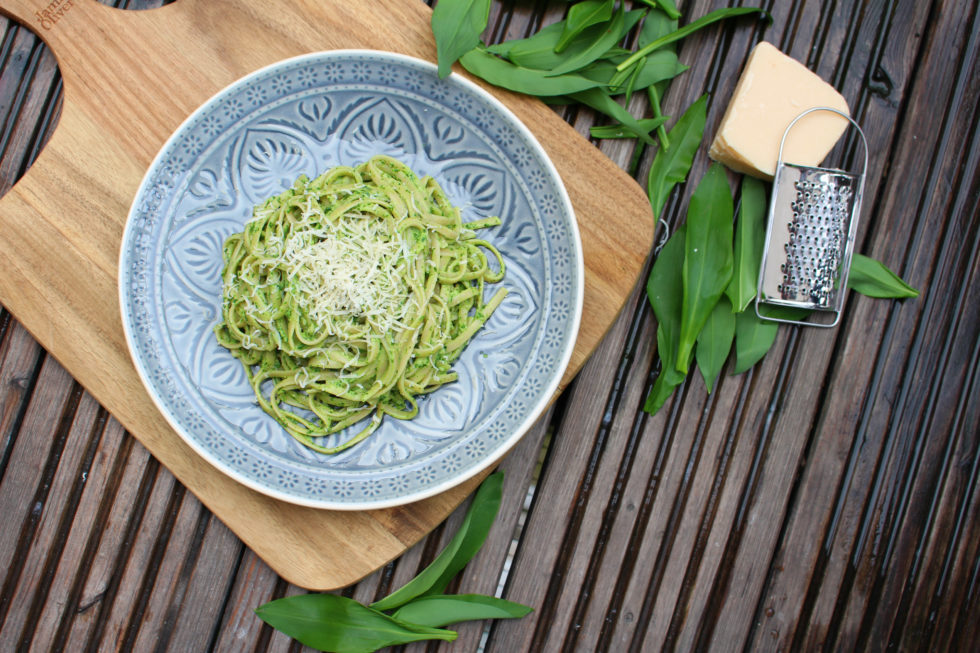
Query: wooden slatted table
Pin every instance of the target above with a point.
(827, 498)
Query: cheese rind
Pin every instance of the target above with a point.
(773, 90)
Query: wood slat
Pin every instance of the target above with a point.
(254, 584)
(25, 490)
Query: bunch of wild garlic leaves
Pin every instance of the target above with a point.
(704, 278)
(579, 59)
(417, 611)
(703, 283)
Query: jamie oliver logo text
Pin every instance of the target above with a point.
(54, 12)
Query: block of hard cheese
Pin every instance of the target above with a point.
(773, 90)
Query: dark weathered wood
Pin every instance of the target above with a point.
(254, 584)
(99, 482)
(26, 489)
(828, 498)
(845, 480)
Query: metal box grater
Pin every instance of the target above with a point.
(813, 216)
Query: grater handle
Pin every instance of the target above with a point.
(864, 141)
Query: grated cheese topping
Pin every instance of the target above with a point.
(348, 272)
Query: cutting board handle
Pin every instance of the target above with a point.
(79, 31)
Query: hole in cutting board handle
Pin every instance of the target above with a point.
(31, 96)
(135, 5)
(31, 92)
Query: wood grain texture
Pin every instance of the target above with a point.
(129, 79)
(828, 499)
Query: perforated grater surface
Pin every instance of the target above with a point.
(813, 216)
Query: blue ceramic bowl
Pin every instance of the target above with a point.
(303, 116)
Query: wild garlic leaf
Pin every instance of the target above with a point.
(668, 6)
(618, 130)
(631, 82)
(441, 610)
(523, 80)
(329, 622)
(460, 550)
(657, 24)
(776, 312)
(749, 239)
(665, 292)
(601, 102)
(457, 26)
(753, 339)
(653, 93)
(754, 336)
(616, 53)
(606, 37)
(659, 66)
(715, 342)
(690, 28)
(671, 165)
(536, 51)
(668, 379)
(872, 278)
(707, 256)
(332, 622)
(582, 15)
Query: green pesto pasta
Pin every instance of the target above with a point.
(350, 295)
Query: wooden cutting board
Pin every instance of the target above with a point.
(130, 78)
